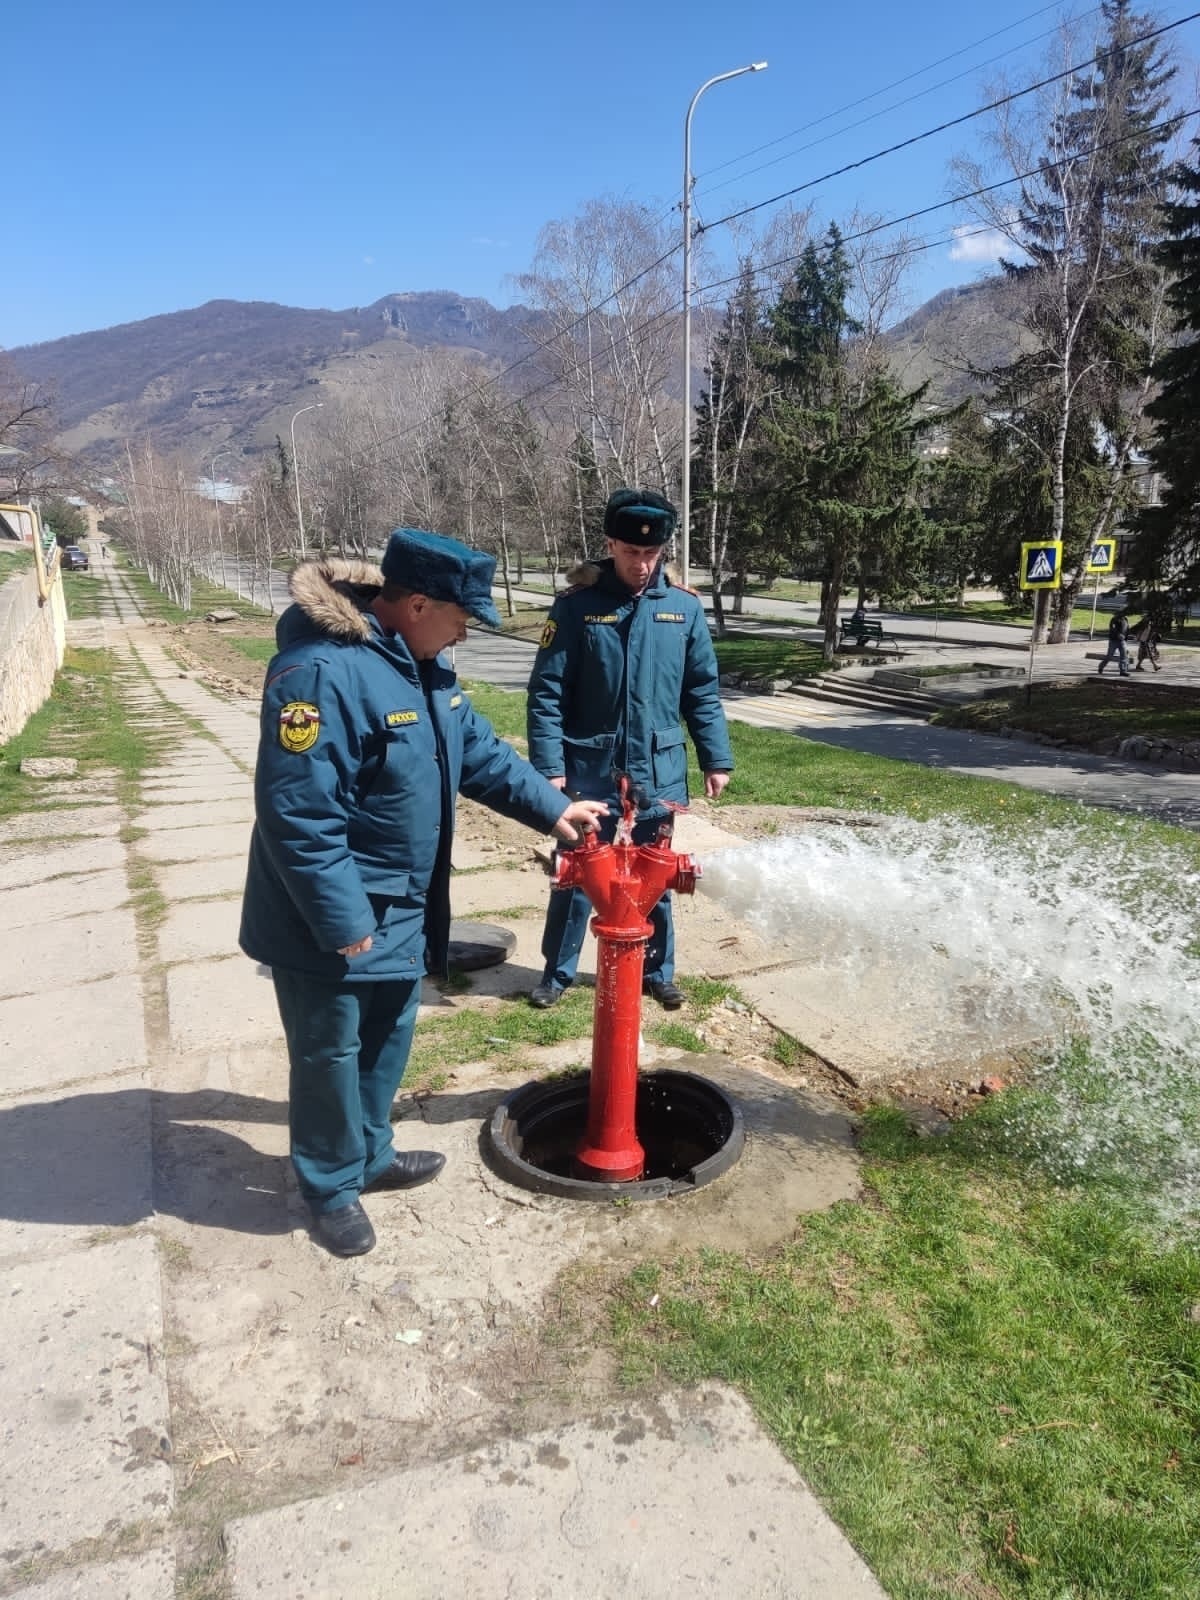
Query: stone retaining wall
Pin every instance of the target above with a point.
(32, 642)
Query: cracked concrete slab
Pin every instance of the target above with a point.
(101, 1175)
(198, 814)
(36, 903)
(704, 1502)
(221, 1002)
(192, 880)
(145, 1577)
(76, 1032)
(95, 945)
(284, 1343)
(197, 844)
(25, 864)
(190, 791)
(94, 821)
(202, 928)
(497, 889)
(86, 1427)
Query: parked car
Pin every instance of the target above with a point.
(74, 559)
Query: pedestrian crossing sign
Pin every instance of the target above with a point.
(1103, 557)
(1041, 564)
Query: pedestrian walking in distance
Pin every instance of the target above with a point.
(366, 742)
(625, 658)
(1118, 627)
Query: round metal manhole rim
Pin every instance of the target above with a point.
(571, 1091)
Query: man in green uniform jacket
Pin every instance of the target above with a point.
(366, 741)
(625, 657)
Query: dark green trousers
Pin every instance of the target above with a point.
(348, 1046)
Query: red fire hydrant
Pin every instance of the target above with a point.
(623, 881)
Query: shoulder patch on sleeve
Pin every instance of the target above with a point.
(548, 633)
(455, 700)
(299, 725)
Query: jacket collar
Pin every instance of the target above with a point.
(602, 575)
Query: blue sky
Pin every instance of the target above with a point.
(168, 154)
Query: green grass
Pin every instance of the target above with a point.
(205, 597)
(17, 559)
(773, 768)
(993, 1386)
(972, 611)
(781, 589)
(499, 1033)
(443, 1042)
(84, 717)
(504, 708)
(527, 622)
(84, 592)
(255, 649)
(768, 657)
(1085, 712)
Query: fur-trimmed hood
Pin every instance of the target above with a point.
(333, 595)
(587, 573)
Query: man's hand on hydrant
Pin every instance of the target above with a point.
(580, 815)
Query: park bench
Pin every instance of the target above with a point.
(862, 631)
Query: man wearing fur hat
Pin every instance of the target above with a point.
(625, 658)
(366, 742)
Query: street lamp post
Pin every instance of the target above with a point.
(685, 516)
(316, 406)
(212, 478)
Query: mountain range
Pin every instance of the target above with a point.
(234, 370)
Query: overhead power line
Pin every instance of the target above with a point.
(973, 194)
(896, 105)
(561, 333)
(942, 127)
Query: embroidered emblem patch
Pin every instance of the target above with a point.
(669, 616)
(548, 633)
(610, 617)
(455, 700)
(397, 719)
(299, 725)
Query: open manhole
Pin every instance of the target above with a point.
(690, 1130)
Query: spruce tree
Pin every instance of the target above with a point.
(1074, 402)
(1167, 551)
(838, 467)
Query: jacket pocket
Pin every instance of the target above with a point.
(385, 888)
(670, 764)
(589, 765)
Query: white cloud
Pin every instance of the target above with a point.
(971, 244)
(491, 244)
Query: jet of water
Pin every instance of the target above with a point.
(1036, 937)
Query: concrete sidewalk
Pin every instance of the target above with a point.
(197, 1399)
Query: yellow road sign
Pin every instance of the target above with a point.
(1041, 564)
(1103, 556)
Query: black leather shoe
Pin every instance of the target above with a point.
(668, 996)
(545, 996)
(408, 1170)
(346, 1231)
